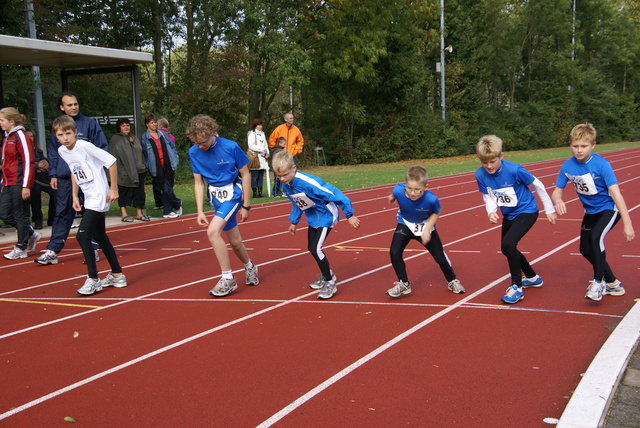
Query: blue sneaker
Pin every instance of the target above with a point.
(534, 282)
(514, 295)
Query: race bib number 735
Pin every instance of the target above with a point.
(584, 184)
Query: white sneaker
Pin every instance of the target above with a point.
(251, 275)
(15, 254)
(171, 215)
(317, 284)
(399, 288)
(614, 288)
(48, 258)
(91, 286)
(328, 290)
(224, 287)
(33, 241)
(456, 287)
(179, 213)
(595, 290)
(112, 281)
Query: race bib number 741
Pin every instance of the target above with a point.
(81, 172)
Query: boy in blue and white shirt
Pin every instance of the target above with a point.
(319, 201)
(221, 166)
(506, 185)
(417, 216)
(598, 190)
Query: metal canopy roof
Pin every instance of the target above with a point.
(44, 53)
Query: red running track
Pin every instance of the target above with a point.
(161, 352)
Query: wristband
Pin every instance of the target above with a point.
(246, 208)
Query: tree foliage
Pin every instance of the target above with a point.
(361, 73)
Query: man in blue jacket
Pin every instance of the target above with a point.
(89, 130)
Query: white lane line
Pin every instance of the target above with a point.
(342, 373)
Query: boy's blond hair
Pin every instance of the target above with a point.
(584, 131)
(417, 173)
(489, 147)
(282, 161)
(63, 123)
(281, 141)
(200, 127)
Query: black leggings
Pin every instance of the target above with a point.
(512, 233)
(401, 239)
(316, 238)
(92, 226)
(592, 233)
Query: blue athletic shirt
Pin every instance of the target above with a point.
(592, 180)
(317, 199)
(219, 164)
(508, 188)
(416, 211)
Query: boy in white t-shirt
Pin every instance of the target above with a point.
(86, 163)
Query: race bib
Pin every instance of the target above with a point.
(81, 172)
(584, 184)
(302, 201)
(416, 228)
(505, 197)
(223, 193)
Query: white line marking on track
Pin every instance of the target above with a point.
(335, 378)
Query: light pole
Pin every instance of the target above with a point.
(442, 83)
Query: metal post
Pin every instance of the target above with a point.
(291, 98)
(442, 75)
(573, 33)
(38, 110)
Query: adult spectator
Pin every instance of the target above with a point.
(163, 125)
(127, 150)
(88, 130)
(161, 158)
(291, 133)
(257, 143)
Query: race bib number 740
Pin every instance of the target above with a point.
(222, 193)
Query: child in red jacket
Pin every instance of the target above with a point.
(18, 172)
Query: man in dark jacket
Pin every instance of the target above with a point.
(89, 130)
